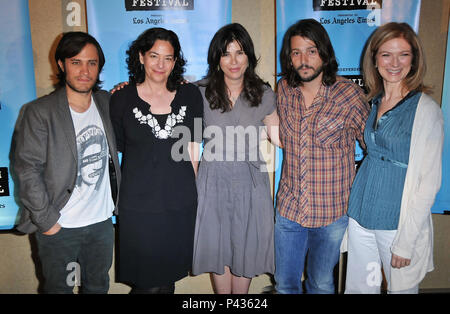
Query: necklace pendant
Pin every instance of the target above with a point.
(163, 134)
(152, 122)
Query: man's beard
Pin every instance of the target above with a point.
(312, 76)
(87, 91)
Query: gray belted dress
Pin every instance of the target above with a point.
(235, 214)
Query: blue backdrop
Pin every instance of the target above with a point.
(442, 202)
(115, 28)
(17, 87)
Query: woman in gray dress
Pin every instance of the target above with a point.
(235, 215)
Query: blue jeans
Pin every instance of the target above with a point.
(321, 246)
(77, 256)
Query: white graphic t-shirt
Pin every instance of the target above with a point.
(91, 200)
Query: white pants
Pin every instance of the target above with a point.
(368, 251)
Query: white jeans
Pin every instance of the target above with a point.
(368, 251)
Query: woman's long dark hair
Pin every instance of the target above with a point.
(144, 43)
(216, 90)
(313, 30)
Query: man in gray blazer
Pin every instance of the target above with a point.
(68, 172)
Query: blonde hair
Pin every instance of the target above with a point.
(386, 32)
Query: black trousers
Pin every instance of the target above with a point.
(77, 256)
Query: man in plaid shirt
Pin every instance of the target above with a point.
(321, 116)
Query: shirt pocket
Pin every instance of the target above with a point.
(287, 122)
(328, 131)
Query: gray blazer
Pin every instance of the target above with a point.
(45, 158)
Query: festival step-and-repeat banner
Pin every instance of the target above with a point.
(115, 24)
(17, 87)
(349, 24)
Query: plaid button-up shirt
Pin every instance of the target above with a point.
(319, 151)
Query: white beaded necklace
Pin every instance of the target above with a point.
(152, 122)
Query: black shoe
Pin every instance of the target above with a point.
(154, 290)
